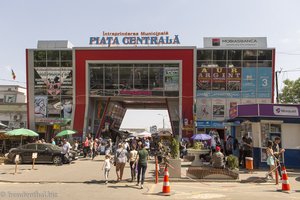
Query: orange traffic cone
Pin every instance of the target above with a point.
(166, 186)
(285, 182)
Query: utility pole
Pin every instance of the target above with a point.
(276, 85)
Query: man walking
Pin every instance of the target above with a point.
(278, 153)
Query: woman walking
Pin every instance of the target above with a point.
(142, 165)
(120, 159)
(132, 159)
(270, 159)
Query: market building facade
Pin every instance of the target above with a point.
(89, 88)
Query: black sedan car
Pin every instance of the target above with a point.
(46, 153)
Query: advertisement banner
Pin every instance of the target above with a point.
(219, 78)
(264, 80)
(235, 42)
(232, 107)
(204, 78)
(40, 106)
(249, 82)
(218, 109)
(171, 79)
(204, 109)
(234, 77)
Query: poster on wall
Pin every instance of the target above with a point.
(249, 82)
(204, 109)
(219, 78)
(66, 107)
(204, 78)
(53, 110)
(231, 109)
(40, 106)
(171, 79)
(40, 75)
(264, 82)
(66, 80)
(218, 109)
(234, 77)
(54, 81)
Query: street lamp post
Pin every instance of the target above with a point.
(163, 116)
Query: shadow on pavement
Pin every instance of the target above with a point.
(255, 179)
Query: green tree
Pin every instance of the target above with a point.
(290, 92)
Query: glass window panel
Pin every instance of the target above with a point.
(264, 63)
(204, 55)
(66, 64)
(248, 63)
(234, 64)
(219, 63)
(234, 55)
(219, 55)
(172, 93)
(96, 78)
(52, 64)
(126, 76)
(264, 54)
(171, 65)
(52, 55)
(141, 76)
(111, 76)
(39, 63)
(39, 55)
(204, 63)
(156, 76)
(66, 55)
(249, 54)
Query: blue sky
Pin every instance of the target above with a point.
(23, 23)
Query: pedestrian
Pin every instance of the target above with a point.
(53, 141)
(132, 159)
(270, 159)
(106, 167)
(142, 165)
(65, 151)
(95, 148)
(278, 153)
(247, 148)
(85, 147)
(120, 159)
(218, 159)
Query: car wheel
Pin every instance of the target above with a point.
(20, 160)
(57, 160)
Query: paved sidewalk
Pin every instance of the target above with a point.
(86, 170)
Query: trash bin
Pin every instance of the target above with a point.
(249, 163)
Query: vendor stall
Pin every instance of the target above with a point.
(265, 122)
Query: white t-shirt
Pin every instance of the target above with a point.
(106, 164)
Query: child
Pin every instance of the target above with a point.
(106, 167)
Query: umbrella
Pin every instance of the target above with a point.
(22, 132)
(66, 132)
(144, 134)
(201, 136)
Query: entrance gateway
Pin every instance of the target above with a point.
(120, 78)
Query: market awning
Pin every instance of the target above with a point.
(256, 112)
